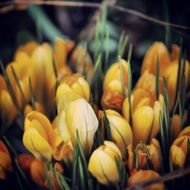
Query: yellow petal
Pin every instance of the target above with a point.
(158, 51)
(80, 116)
(103, 167)
(142, 123)
(120, 132)
(45, 124)
(177, 156)
(36, 144)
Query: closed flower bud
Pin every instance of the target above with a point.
(78, 116)
(157, 53)
(102, 164)
(179, 148)
(121, 132)
(5, 161)
(38, 135)
(113, 97)
(112, 86)
(175, 124)
(145, 115)
(37, 172)
(74, 84)
(7, 107)
(144, 176)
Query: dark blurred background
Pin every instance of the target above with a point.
(19, 26)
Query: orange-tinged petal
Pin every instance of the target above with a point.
(177, 156)
(157, 52)
(37, 172)
(28, 47)
(143, 176)
(2, 173)
(185, 132)
(7, 107)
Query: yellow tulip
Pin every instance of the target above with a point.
(145, 115)
(158, 52)
(121, 132)
(178, 150)
(102, 164)
(38, 135)
(7, 107)
(74, 84)
(144, 176)
(78, 116)
(5, 161)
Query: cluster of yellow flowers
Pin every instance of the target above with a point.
(55, 103)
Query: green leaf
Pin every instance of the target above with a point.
(44, 24)
(107, 127)
(18, 84)
(157, 79)
(129, 89)
(32, 95)
(61, 180)
(122, 44)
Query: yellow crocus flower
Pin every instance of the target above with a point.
(102, 164)
(121, 132)
(145, 115)
(78, 116)
(74, 84)
(178, 150)
(38, 135)
(115, 77)
(157, 53)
